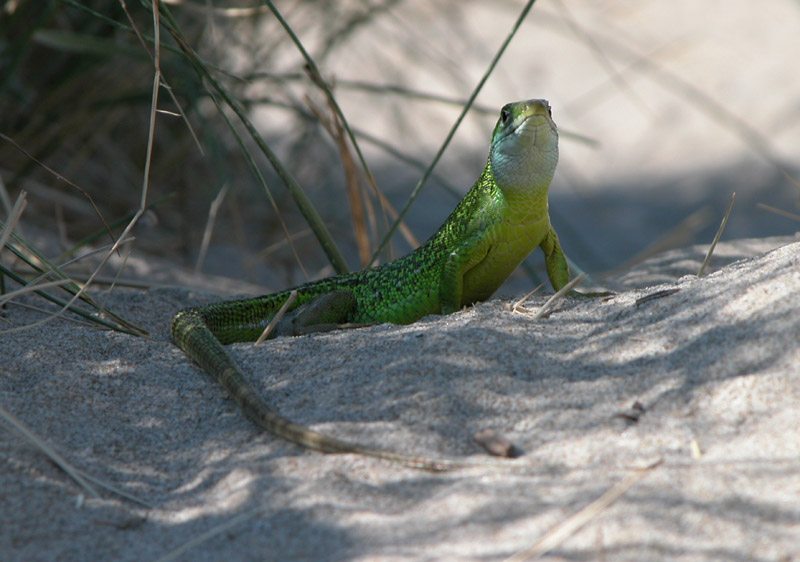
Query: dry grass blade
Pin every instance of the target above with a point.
(59, 268)
(675, 238)
(316, 76)
(551, 302)
(126, 254)
(118, 223)
(5, 200)
(55, 174)
(405, 231)
(333, 126)
(566, 528)
(266, 252)
(167, 87)
(340, 130)
(81, 477)
(213, 209)
(517, 306)
(277, 318)
(411, 161)
(45, 267)
(47, 450)
(211, 533)
(780, 212)
(335, 129)
(13, 218)
(717, 236)
(115, 490)
(120, 327)
(260, 177)
(219, 11)
(31, 288)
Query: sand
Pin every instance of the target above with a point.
(704, 382)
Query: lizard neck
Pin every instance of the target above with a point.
(520, 198)
(519, 168)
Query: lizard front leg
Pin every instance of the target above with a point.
(555, 260)
(558, 268)
(451, 283)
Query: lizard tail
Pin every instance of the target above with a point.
(192, 334)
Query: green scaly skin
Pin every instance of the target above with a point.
(497, 224)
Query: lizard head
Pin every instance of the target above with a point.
(524, 149)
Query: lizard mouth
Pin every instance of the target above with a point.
(531, 125)
(533, 131)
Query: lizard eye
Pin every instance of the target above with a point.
(549, 111)
(505, 115)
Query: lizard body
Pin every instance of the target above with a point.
(497, 224)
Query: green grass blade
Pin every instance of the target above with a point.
(307, 209)
(90, 316)
(69, 42)
(47, 268)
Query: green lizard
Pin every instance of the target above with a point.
(497, 224)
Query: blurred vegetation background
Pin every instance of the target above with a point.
(664, 113)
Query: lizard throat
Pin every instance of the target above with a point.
(525, 159)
